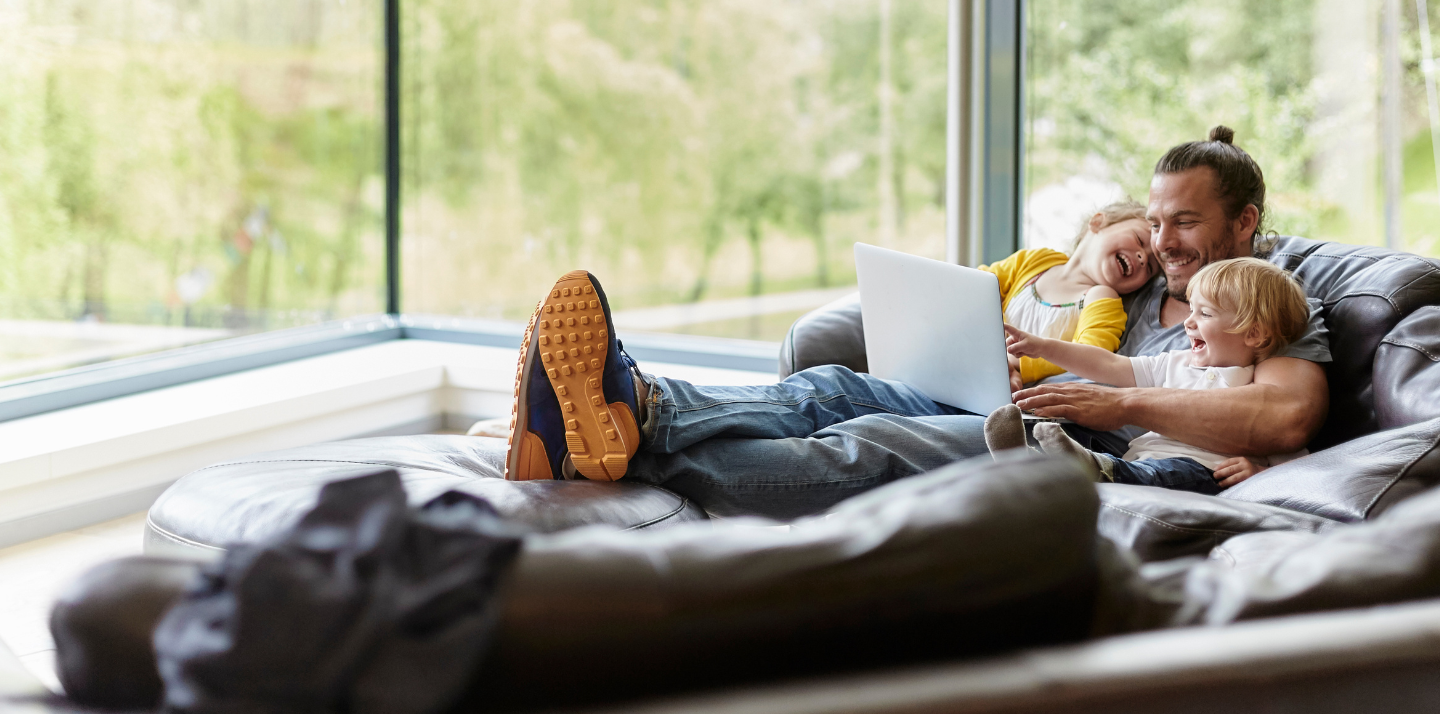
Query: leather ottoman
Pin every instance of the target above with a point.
(248, 499)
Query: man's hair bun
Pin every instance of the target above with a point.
(1222, 134)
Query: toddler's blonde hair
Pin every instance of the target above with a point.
(1261, 294)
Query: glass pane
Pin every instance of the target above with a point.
(177, 171)
(1112, 85)
(711, 161)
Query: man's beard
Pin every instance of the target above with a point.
(1219, 250)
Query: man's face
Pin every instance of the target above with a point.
(1188, 228)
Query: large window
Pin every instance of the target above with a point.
(712, 161)
(178, 171)
(1328, 95)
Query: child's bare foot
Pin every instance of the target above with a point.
(1004, 430)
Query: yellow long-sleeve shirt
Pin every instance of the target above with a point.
(1101, 321)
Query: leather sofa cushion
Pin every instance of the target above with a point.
(250, 499)
(1159, 524)
(1407, 371)
(1366, 292)
(1353, 481)
(1394, 558)
(975, 557)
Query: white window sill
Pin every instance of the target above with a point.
(71, 468)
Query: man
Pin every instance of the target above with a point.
(826, 433)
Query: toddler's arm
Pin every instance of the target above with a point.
(1101, 324)
(1086, 361)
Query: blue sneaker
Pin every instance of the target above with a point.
(574, 389)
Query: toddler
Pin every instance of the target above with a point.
(1241, 312)
(1076, 298)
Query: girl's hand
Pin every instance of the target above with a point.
(1234, 470)
(1023, 344)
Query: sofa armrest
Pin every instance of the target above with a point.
(830, 334)
(1375, 659)
(1353, 481)
(1407, 371)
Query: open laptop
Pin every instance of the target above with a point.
(935, 326)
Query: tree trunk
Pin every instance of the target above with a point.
(94, 279)
(757, 272)
(713, 238)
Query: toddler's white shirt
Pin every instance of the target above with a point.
(1173, 370)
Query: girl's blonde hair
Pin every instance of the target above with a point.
(1117, 212)
(1262, 295)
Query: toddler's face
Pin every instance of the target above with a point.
(1211, 342)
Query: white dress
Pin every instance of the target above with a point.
(1037, 317)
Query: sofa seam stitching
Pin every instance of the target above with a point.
(1414, 346)
(1388, 297)
(311, 461)
(177, 537)
(1365, 514)
(1158, 522)
(683, 503)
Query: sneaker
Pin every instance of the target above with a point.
(574, 389)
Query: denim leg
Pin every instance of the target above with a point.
(1180, 474)
(1104, 442)
(795, 476)
(683, 414)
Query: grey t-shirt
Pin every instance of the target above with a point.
(1144, 336)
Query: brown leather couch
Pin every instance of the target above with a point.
(1314, 586)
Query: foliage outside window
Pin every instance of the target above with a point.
(1111, 84)
(688, 152)
(177, 171)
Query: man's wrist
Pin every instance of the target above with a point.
(1137, 403)
(1133, 404)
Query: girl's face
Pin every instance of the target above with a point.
(1119, 256)
(1211, 342)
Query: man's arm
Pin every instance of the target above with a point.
(1087, 361)
(1278, 414)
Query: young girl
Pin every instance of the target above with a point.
(1076, 298)
(1241, 312)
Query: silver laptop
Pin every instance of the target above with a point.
(935, 326)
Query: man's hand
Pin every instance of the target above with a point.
(1234, 470)
(1015, 383)
(1089, 405)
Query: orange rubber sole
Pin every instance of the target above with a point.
(571, 338)
(525, 456)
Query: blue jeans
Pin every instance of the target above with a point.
(798, 446)
(1180, 474)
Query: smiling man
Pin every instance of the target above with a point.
(826, 433)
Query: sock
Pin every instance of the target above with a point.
(642, 395)
(567, 469)
(1004, 430)
(1054, 440)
